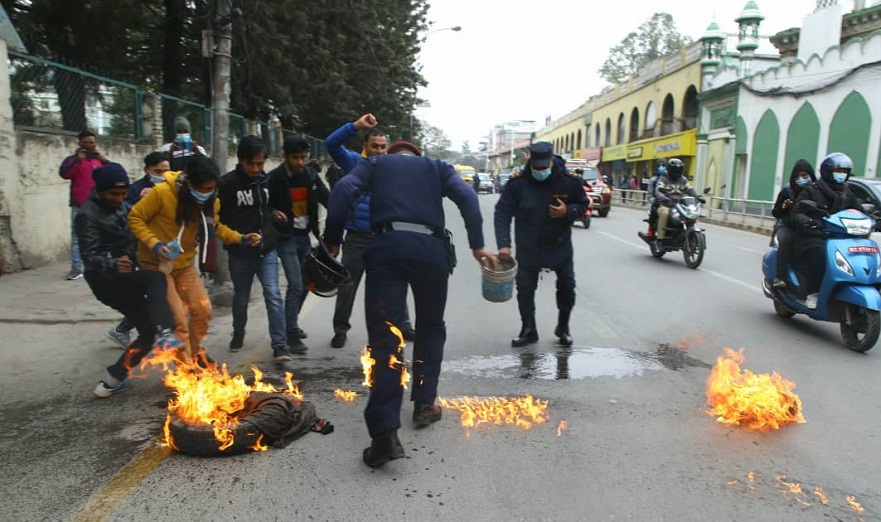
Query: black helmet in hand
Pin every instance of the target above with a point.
(322, 273)
(675, 169)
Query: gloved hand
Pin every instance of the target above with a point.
(812, 225)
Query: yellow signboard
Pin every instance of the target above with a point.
(680, 144)
(617, 152)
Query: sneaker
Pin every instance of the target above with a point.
(123, 339)
(280, 355)
(168, 341)
(811, 300)
(237, 341)
(104, 390)
(296, 345)
(425, 414)
(74, 274)
(778, 283)
(298, 333)
(338, 341)
(204, 361)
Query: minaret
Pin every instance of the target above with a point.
(713, 44)
(748, 37)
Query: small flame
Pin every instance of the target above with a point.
(520, 411)
(854, 504)
(741, 397)
(752, 479)
(562, 426)
(793, 487)
(259, 446)
(166, 429)
(345, 395)
(367, 363)
(819, 492)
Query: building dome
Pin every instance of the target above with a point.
(713, 32)
(750, 13)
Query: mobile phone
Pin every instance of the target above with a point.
(91, 154)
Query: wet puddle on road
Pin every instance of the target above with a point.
(578, 363)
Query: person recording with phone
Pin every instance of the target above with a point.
(78, 169)
(183, 147)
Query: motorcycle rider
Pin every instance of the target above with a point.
(802, 175)
(653, 183)
(672, 185)
(831, 194)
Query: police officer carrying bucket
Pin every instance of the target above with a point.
(411, 248)
(544, 201)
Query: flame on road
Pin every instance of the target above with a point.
(520, 411)
(345, 395)
(562, 426)
(743, 398)
(852, 501)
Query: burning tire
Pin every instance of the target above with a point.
(198, 439)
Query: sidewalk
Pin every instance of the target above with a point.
(44, 296)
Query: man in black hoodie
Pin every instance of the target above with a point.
(244, 223)
(831, 194)
(295, 190)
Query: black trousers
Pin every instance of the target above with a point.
(141, 297)
(785, 239)
(527, 283)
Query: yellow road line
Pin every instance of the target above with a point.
(105, 501)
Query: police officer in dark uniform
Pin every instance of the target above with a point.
(544, 201)
(411, 248)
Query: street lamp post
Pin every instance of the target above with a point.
(455, 28)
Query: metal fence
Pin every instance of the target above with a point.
(752, 212)
(53, 96)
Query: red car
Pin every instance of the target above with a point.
(600, 192)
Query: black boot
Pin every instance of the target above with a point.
(562, 329)
(383, 449)
(528, 333)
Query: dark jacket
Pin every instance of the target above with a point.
(827, 198)
(288, 190)
(790, 191)
(103, 235)
(407, 189)
(134, 190)
(540, 239)
(359, 218)
(243, 207)
(666, 189)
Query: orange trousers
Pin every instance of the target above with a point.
(189, 305)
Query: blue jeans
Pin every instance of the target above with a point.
(292, 250)
(385, 302)
(242, 270)
(76, 260)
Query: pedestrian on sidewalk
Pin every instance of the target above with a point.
(412, 249)
(358, 231)
(172, 224)
(110, 267)
(295, 191)
(183, 147)
(243, 215)
(78, 169)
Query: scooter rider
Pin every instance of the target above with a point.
(671, 184)
(831, 194)
(802, 175)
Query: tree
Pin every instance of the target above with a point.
(466, 148)
(655, 38)
(434, 142)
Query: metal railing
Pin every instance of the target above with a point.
(48, 95)
(752, 212)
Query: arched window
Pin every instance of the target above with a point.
(578, 141)
(608, 138)
(667, 116)
(620, 129)
(689, 109)
(634, 124)
(596, 135)
(651, 118)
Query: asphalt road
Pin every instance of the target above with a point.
(638, 444)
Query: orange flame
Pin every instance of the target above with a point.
(367, 363)
(520, 411)
(819, 492)
(209, 396)
(345, 395)
(854, 504)
(752, 479)
(259, 446)
(562, 426)
(166, 430)
(741, 397)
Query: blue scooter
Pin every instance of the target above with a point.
(849, 291)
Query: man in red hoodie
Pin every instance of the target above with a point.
(78, 169)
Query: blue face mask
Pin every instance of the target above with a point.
(201, 197)
(541, 175)
(157, 179)
(802, 181)
(839, 177)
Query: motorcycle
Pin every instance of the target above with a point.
(681, 232)
(595, 200)
(849, 290)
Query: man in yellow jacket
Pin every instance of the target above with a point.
(171, 223)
